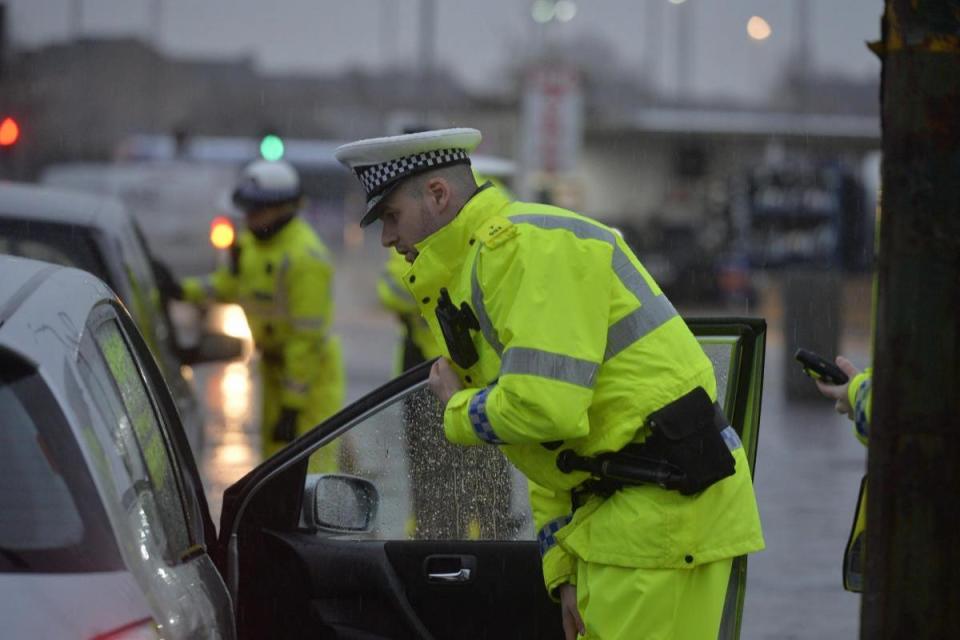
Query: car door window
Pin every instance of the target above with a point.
(120, 385)
(432, 489)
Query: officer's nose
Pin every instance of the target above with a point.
(388, 235)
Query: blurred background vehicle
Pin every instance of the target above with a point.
(172, 201)
(329, 190)
(96, 234)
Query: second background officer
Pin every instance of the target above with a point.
(281, 274)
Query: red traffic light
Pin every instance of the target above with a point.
(9, 132)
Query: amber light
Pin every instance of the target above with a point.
(9, 132)
(221, 232)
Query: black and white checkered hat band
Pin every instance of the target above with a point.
(375, 178)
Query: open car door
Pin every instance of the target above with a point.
(405, 545)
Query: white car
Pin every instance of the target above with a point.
(105, 531)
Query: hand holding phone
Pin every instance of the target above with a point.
(819, 368)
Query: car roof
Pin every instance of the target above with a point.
(49, 204)
(43, 307)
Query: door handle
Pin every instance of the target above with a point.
(463, 575)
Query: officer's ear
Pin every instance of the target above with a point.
(438, 194)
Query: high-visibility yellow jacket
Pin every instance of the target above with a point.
(397, 298)
(285, 286)
(577, 344)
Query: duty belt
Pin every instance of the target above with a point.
(689, 449)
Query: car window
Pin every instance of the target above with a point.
(51, 516)
(63, 244)
(721, 351)
(122, 385)
(430, 488)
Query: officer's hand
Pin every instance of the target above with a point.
(838, 392)
(443, 381)
(285, 430)
(572, 622)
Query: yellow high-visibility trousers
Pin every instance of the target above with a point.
(619, 603)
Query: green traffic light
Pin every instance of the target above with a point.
(271, 147)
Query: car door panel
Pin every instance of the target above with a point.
(503, 596)
(394, 586)
(348, 588)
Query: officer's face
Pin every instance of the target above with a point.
(410, 216)
(260, 219)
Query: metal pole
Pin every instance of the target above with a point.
(428, 26)
(389, 17)
(684, 44)
(156, 24)
(803, 51)
(76, 19)
(653, 48)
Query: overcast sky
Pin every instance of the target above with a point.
(475, 38)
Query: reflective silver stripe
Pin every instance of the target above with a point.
(731, 438)
(476, 296)
(654, 309)
(580, 228)
(636, 324)
(549, 365)
(398, 289)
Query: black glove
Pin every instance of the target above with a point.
(285, 430)
(166, 283)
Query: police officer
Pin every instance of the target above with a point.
(281, 274)
(560, 348)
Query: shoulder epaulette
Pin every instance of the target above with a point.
(495, 231)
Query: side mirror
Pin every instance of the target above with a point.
(213, 347)
(339, 503)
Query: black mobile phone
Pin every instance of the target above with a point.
(820, 369)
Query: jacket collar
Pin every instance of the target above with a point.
(442, 253)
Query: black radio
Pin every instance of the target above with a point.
(456, 325)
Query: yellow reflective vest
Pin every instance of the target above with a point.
(577, 344)
(285, 286)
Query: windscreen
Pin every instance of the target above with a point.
(51, 517)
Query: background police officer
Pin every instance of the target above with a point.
(281, 274)
(560, 343)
